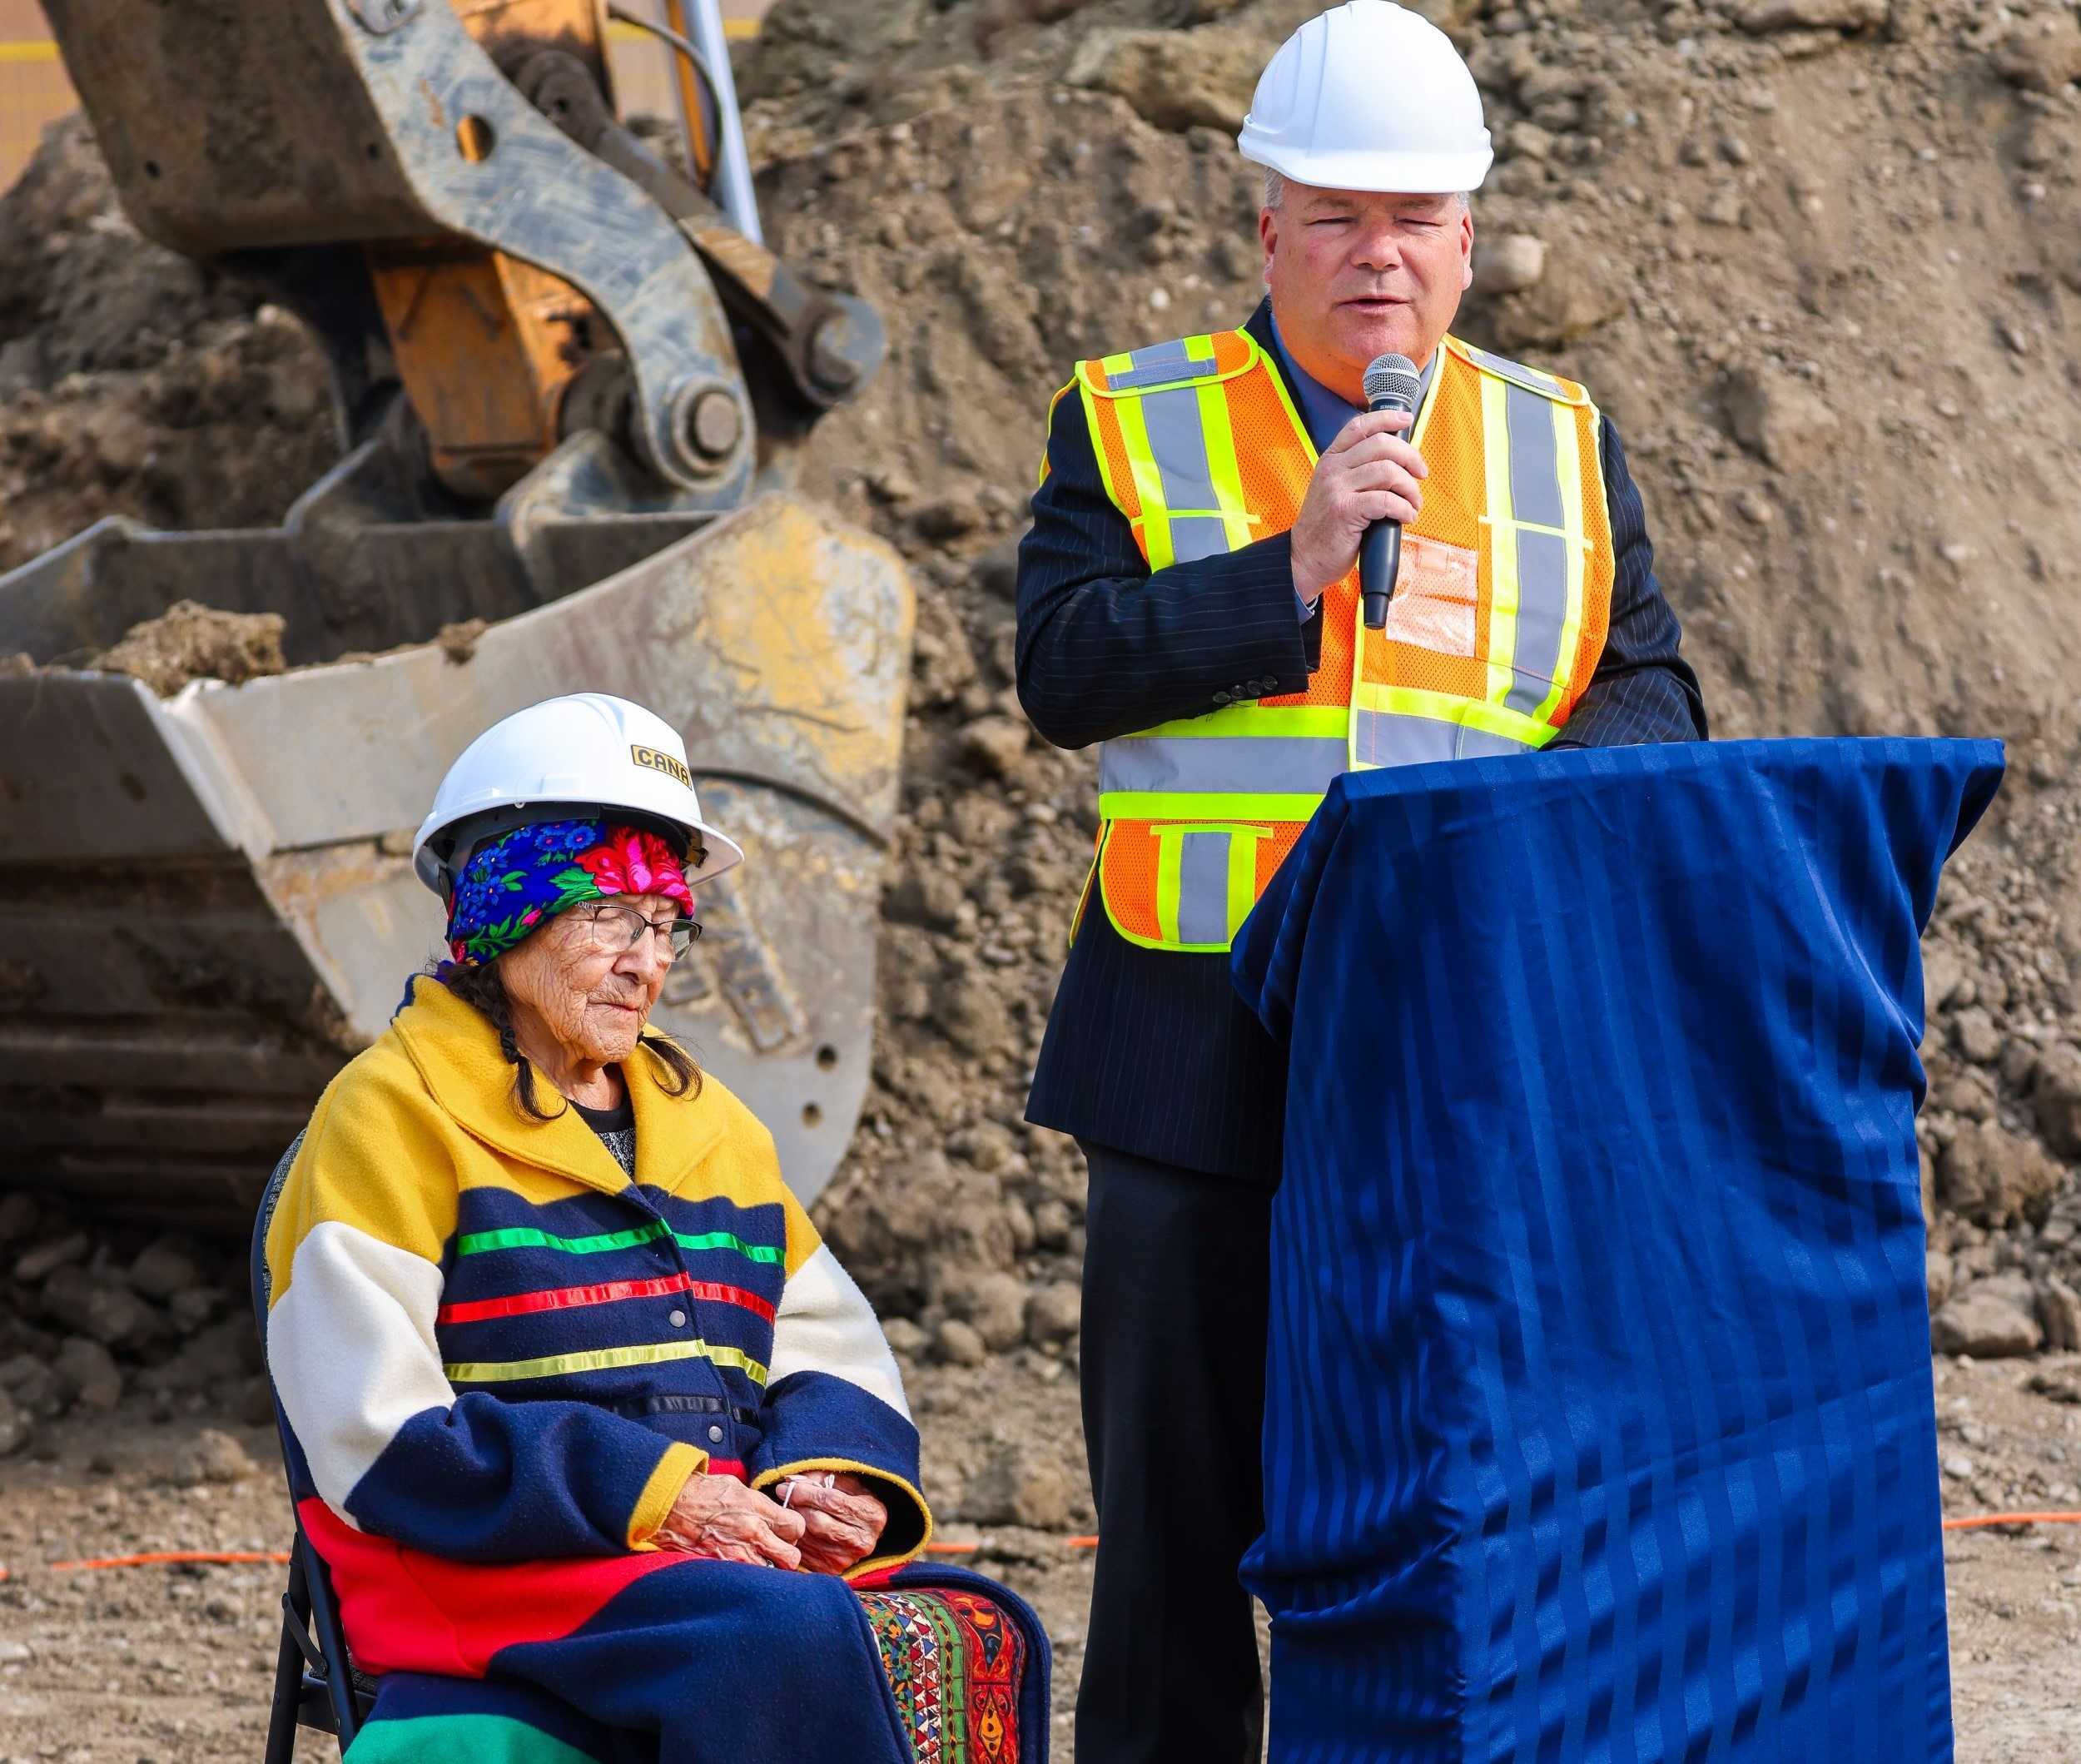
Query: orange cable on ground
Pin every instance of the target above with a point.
(149, 1558)
(1982, 1519)
(152, 1558)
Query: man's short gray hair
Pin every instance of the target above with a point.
(1275, 191)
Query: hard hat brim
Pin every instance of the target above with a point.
(1399, 174)
(724, 853)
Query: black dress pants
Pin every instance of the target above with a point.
(1176, 1276)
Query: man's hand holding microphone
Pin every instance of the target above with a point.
(1370, 478)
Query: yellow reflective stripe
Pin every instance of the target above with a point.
(1113, 364)
(1174, 946)
(600, 1359)
(1322, 722)
(1196, 805)
(1293, 415)
(1568, 454)
(1224, 470)
(1171, 857)
(1149, 483)
(1428, 400)
(1502, 539)
(1445, 706)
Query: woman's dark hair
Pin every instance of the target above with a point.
(482, 987)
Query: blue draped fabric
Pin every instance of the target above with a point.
(1601, 1422)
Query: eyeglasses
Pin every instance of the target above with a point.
(616, 930)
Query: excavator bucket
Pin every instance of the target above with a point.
(207, 904)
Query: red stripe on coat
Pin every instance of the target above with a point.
(608, 1292)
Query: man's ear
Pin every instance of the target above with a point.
(1466, 249)
(1268, 236)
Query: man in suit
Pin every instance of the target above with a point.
(1187, 596)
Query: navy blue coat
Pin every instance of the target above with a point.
(1150, 1050)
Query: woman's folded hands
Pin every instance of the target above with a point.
(825, 1523)
(842, 1519)
(719, 1518)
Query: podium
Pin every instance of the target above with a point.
(1600, 1421)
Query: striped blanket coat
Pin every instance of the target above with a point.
(500, 1360)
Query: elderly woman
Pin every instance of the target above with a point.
(600, 1443)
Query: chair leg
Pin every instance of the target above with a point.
(289, 1684)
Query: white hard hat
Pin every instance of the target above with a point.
(565, 758)
(1369, 96)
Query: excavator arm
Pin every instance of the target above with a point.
(546, 343)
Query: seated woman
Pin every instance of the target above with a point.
(600, 1443)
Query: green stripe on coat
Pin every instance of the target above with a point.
(460, 1739)
(527, 1237)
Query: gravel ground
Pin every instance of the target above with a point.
(159, 1663)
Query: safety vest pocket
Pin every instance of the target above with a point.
(1187, 885)
(1435, 593)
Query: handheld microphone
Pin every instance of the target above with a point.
(1392, 383)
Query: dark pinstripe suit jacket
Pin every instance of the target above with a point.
(1150, 1050)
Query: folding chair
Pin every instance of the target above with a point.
(316, 1684)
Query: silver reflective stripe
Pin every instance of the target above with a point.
(1482, 744)
(1534, 463)
(1160, 373)
(1178, 441)
(1202, 888)
(1390, 738)
(1516, 371)
(1170, 354)
(1535, 473)
(1257, 765)
(1196, 536)
(1387, 738)
(1542, 611)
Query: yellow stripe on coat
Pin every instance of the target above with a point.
(600, 1359)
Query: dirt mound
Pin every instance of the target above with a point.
(192, 641)
(1815, 257)
(133, 381)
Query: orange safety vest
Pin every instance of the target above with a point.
(1501, 608)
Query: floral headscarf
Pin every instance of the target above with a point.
(527, 876)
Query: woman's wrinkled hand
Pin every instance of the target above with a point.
(843, 1519)
(719, 1518)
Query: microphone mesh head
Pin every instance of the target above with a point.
(1393, 380)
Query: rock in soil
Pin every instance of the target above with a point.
(1992, 1321)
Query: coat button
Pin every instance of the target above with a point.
(679, 1319)
(715, 1436)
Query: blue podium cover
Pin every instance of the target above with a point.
(1601, 1422)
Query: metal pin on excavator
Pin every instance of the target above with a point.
(570, 382)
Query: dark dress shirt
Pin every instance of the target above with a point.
(1150, 1050)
